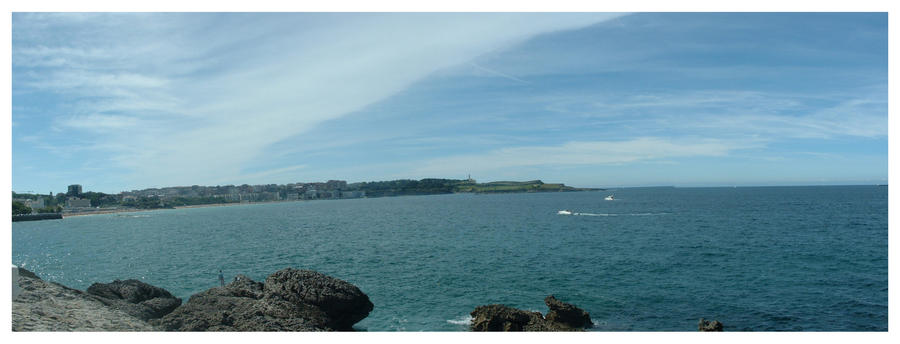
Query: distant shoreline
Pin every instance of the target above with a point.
(135, 210)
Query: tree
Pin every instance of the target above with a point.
(19, 208)
(60, 198)
(50, 209)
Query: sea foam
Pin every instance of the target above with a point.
(461, 320)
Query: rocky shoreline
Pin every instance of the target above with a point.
(48, 306)
(288, 300)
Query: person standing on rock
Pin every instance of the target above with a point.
(221, 278)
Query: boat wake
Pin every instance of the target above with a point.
(567, 212)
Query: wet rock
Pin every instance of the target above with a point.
(289, 300)
(134, 297)
(507, 319)
(709, 326)
(561, 317)
(566, 314)
(26, 273)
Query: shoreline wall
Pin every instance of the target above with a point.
(36, 217)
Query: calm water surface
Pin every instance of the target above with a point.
(655, 259)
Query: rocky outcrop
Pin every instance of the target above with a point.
(709, 326)
(47, 306)
(561, 317)
(507, 319)
(134, 297)
(566, 314)
(342, 303)
(289, 300)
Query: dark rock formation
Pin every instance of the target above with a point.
(709, 326)
(507, 319)
(134, 297)
(561, 317)
(566, 314)
(26, 273)
(289, 300)
(343, 303)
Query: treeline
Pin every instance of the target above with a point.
(98, 199)
(405, 187)
(183, 201)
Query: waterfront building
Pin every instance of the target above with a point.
(74, 190)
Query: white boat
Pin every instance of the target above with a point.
(609, 198)
(564, 212)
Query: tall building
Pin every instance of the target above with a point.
(74, 190)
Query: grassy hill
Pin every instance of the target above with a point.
(508, 186)
(432, 186)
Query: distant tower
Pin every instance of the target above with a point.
(74, 190)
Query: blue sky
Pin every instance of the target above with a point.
(127, 101)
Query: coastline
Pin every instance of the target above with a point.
(135, 210)
(101, 212)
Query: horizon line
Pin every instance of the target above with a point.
(582, 187)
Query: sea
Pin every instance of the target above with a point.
(653, 259)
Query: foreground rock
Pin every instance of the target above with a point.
(566, 314)
(289, 300)
(709, 326)
(136, 298)
(47, 306)
(561, 317)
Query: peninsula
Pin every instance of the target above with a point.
(74, 201)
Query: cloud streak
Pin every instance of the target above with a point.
(181, 99)
(211, 92)
(581, 153)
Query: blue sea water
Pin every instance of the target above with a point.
(654, 259)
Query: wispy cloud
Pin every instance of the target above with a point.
(583, 153)
(194, 97)
(494, 72)
(730, 113)
(181, 99)
(276, 173)
(100, 123)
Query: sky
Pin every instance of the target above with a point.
(117, 102)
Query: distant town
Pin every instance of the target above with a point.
(75, 200)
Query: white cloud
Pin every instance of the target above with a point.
(212, 92)
(100, 123)
(264, 177)
(582, 153)
(730, 113)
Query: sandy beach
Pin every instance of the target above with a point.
(135, 210)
